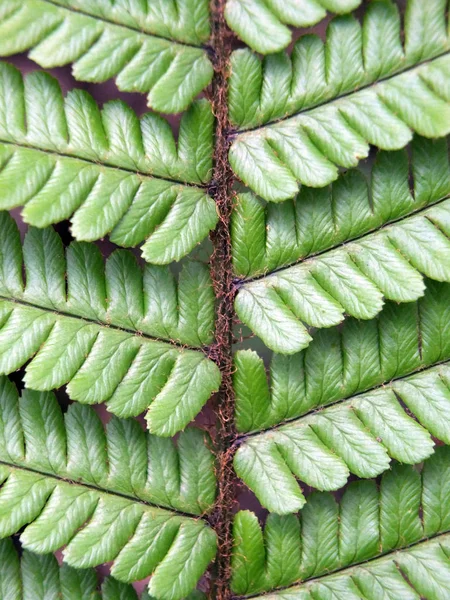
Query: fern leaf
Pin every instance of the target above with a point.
(124, 459)
(353, 56)
(351, 280)
(422, 571)
(186, 21)
(344, 361)
(105, 40)
(101, 348)
(73, 484)
(357, 436)
(309, 148)
(261, 24)
(41, 578)
(61, 158)
(338, 364)
(407, 508)
(269, 236)
(419, 572)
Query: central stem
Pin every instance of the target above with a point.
(222, 276)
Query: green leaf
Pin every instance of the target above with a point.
(117, 41)
(122, 459)
(186, 22)
(261, 307)
(418, 572)
(341, 362)
(351, 280)
(262, 25)
(269, 236)
(353, 56)
(339, 241)
(41, 578)
(359, 436)
(64, 158)
(104, 350)
(98, 492)
(308, 148)
(368, 521)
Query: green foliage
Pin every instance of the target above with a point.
(358, 436)
(353, 56)
(422, 571)
(34, 577)
(186, 21)
(101, 348)
(343, 361)
(309, 148)
(362, 433)
(339, 261)
(369, 520)
(113, 39)
(73, 484)
(267, 236)
(351, 280)
(63, 157)
(41, 578)
(262, 23)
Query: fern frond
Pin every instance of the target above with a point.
(353, 56)
(339, 364)
(64, 157)
(122, 459)
(351, 280)
(105, 40)
(187, 21)
(41, 578)
(114, 135)
(269, 236)
(261, 24)
(405, 509)
(343, 361)
(94, 335)
(358, 436)
(422, 571)
(72, 484)
(117, 292)
(309, 148)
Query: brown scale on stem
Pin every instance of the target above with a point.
(222, 275)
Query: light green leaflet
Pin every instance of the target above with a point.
(358, 436)
(101, 348)
(418, 573)
(267, 236)
(340, 247)
(113, 39)
(71, 483)
(261, 24)
(351, 280)
(404, 509)
(361, 434)
(37, 577)
(187, 21)
(110, 171)
(309, 148)
(354, 55)
(343, 361)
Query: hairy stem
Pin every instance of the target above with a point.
(222, 275)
